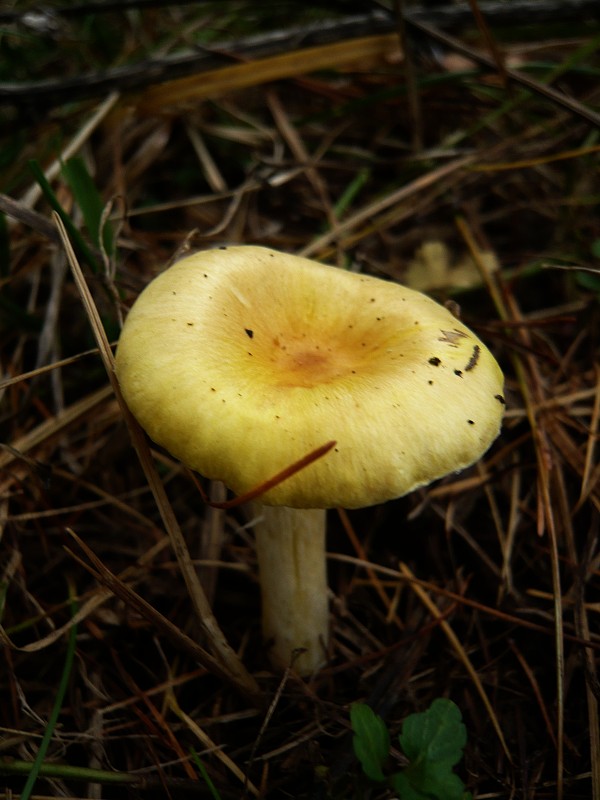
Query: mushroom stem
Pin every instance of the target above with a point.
(290, 545)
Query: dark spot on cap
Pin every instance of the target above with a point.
(500, 399)
(435, 361)
(249, 333)
(474, 358)
(470, 421)
(458, 373)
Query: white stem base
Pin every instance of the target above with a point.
(290, 545)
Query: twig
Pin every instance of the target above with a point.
(513, 75)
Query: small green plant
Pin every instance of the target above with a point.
(432, 740)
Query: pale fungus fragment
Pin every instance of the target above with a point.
(336, 357)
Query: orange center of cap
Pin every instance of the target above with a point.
(300, 361)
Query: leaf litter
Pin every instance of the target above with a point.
(482, 588)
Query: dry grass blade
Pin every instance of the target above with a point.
(371, 572)
(301, 154)
(86, 608)
(460, 652)
(592, 699)
(535, 162)
(214, 83)
(230, 663)
(20, 212)
(516, 76)
(593, 642)
(124, 592)
(211, 746)
(537, 692)
(53, 427)
(378, 206)
(531, 386)
(489, 40)
(586, 483)
(46, 641)
(410, 73)
(33, 194)
(34, 373)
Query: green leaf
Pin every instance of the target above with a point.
(437, 734)
(410, 785)
(433, 740)
(371, 740)
(588, 280)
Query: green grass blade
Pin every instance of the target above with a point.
(60, 696)
(90, 202)
(351, 192)
(74, 234)
(211, 787)
(10, 766)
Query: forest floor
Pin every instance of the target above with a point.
(467, 169)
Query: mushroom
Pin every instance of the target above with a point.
(241, 360)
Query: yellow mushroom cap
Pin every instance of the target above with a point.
(242, 360)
